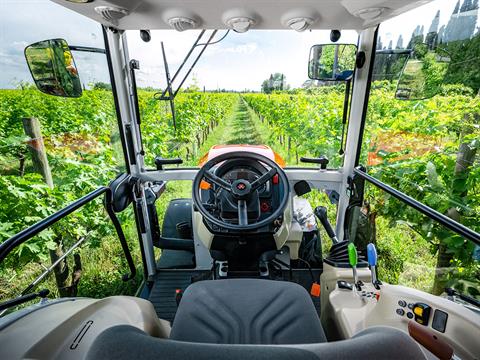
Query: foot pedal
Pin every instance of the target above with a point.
(263, 268)
(222, 268)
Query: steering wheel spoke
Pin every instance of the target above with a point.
(218, 181)
(263, 179)
(242, 212)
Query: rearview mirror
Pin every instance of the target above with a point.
(332, 62)
(53, 68)
(423, 74)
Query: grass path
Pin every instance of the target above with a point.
(243, 127)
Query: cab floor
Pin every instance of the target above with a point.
(162, 294)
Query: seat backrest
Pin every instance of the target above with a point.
(127, 342)
(247, 311)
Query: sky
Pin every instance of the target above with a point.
(241, 61)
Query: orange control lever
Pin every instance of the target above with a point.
(430, 341)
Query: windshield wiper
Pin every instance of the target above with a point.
(468, 299)
(23, 299)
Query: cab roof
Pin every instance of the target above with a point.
(267, 14)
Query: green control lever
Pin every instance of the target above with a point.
(353, 259)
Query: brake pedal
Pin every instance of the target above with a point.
(263, 268)
(222, 268)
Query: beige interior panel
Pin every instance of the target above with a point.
(67, 329)
(348, 312)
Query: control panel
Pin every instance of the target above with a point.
(421, 313)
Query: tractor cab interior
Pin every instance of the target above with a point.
(240, 271)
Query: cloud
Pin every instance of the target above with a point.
(247, 48)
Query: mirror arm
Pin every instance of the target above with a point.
(87, 49)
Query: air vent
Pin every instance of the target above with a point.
(181, 23)
(111, 14)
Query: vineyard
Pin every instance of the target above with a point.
(427, 149)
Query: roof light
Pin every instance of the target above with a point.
(181, 23)
(240, 24)
(111, 13)
(300, 23)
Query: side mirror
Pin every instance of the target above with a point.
(53, 68)
(332, 62)
(423, 74)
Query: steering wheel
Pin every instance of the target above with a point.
(240, 190)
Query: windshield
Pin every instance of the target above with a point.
(250, 88)
(427, 147)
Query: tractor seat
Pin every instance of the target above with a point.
(247, 311)
(125, 342)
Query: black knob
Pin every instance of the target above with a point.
(321, 214)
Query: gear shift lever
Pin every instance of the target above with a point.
(321, 214)
(372, 261)
(353, 259)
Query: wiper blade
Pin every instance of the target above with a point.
(466, 298)
(23, 299)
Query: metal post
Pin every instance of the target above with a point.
(355, 128)
(37, 149)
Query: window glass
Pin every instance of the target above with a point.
(422, 137)
(413, 250)
(53, 150)
(429, 148)
(251, 88)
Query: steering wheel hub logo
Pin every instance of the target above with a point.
(241, 186)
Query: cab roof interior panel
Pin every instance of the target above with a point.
(268, 14)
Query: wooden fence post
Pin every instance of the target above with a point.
(37, 149)
(40, 163)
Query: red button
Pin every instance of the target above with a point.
(264, 207)
(275, 179)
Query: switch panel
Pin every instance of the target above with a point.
(439, 322)
(422, 313)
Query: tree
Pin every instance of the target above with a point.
(417, 37)
(399, 42)
(432, 36)
(101, 86)
(276, 82)
(379, 43)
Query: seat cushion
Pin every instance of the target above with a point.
(247, 311)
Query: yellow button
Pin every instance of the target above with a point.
(418, 311)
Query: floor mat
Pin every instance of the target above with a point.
(176, 259)
(162, 295)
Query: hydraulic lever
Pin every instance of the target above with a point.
(353, 259)
(372, 261)
(321, 213)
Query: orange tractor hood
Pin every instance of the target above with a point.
(264, 150)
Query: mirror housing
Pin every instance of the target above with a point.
(332, 62)
(53, 68)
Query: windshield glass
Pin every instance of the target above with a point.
(429, 146)
(250, 88)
